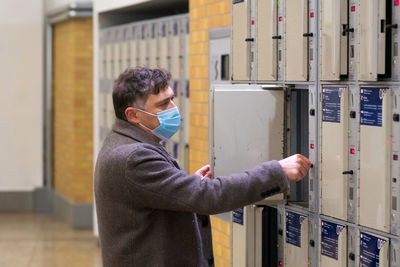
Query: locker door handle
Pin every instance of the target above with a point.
(308, 34)
(277, 37)
(391, 26)
(347, 172)
(249, 39)
(346, 30)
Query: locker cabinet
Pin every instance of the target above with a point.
(163, 55)
(133, 46)
(296, 240)
(153, 44)
(240, 48)
(333, 245)
(116, 52)
(266, 45)
(375, 157)
(143, 47)
(296, 24)
(125, 58)
(333, 53)
(374, 250)
(334, 151)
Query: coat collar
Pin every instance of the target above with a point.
(127, 129)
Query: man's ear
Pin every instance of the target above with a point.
(131, 115)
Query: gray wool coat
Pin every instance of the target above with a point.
(152, 213)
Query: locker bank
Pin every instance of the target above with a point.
(254, 81)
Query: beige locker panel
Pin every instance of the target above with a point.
(116, 53)
(296, 244)
(240, 53)
(334, 151)
(103, 56)
(296, 45)
(374, 250)
(124, 49)
(175, 50)
(375, 157)
(133, 47)
(109, 53)
(333, 245)
(187, 50)
(381, 36)
(331, 35)
(153, 53)
(143, 49)
(163, 45)
(368, 30)
(103, 110)
(266, 46)
(344, 46)
(186, 111)
(239, 239)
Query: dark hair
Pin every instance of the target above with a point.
(134, 85)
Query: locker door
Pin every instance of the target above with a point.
(125, 49)
(296, 244)
(334, 151)
(266, 46)
(163, 45)
(175, 49)
(153, 54)
(133, 47)
(374, 250)
(375, 155)
(372, 39)
(103, 55)
(109, 54)
(296, 23)
(333, 245)
(143, 49)
(116, 53)
(333, 39)
(240, 48)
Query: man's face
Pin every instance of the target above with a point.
(154, 104)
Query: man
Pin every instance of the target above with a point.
(150, 212)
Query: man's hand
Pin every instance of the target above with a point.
(295, 167)
(204, 172)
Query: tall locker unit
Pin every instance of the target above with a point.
(133, 46)
(143, 45)
(153, 45)
(375, 157)
(334, 151)
(125, 57)
(163, 37)
(334, 39)
(111, 54)
(103, 69)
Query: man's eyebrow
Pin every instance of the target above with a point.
(165, 100)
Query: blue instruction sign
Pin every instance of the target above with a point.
(293, 228)
(329, 238)
(371, 106)
(238, 216)
(331, 99)
(370, 247)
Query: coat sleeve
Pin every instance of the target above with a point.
(160, 185)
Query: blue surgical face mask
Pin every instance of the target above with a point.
(170, 121)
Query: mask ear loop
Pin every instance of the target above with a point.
(146, 113)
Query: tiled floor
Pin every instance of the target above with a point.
(42, 240)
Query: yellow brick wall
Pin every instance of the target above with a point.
(73, 109)
(205, 15)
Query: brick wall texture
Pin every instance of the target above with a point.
(73, 109)
(205, 15)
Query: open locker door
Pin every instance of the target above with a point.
(246, 128)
